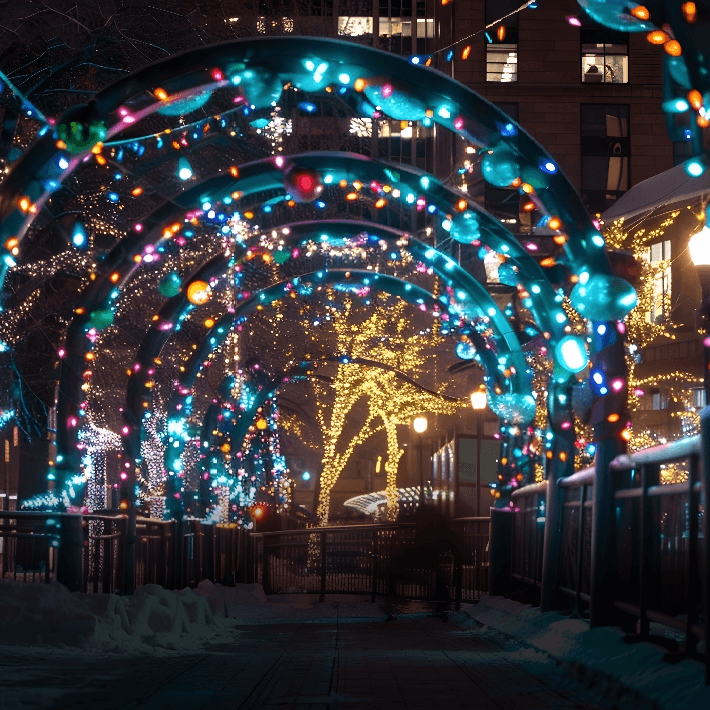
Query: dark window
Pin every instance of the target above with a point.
(605, 154)
(605, 56)
(502, 41)
(504, 202)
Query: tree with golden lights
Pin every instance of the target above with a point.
(642, 330)
(384, 336)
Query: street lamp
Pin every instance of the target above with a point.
(479, 401)
(699, 246)
(420, 426)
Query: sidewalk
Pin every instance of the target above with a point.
(410, 662)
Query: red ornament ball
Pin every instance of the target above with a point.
(303, 184)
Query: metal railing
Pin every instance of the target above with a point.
(660, 543)
(659, 572)
(526, 540)
(439, 560)
(28, 547)
(448, 562)
(576, 537)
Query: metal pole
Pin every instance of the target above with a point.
(561, 464)
(421, 472)
(69, 554)
(609, 416)
(479, 437)
(704, 276)
(705, 478)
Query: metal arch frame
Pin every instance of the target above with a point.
(119, 265)
(476, 120)
(179, 404)
(445, 98)
(480, 121)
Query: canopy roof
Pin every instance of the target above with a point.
(671, 187)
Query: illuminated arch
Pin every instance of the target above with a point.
(259, 69)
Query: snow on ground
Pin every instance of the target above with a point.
(152, 618)
(600, 653)
(48, 615)
(51, 622)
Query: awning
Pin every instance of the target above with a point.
(671, 187)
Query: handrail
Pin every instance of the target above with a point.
(334, 528)
(530, 490)
(665, 453)
(585, 477)
(473, 519)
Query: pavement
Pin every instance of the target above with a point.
(415, 661)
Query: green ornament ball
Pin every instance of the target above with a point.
(170, 285)
(101, 319)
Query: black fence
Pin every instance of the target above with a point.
(442, 563)
(658, 570)
(448, 561)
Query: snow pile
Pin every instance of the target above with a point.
(48, 614)
(601, 653)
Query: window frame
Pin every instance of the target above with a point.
(603, 34)
(624, 151)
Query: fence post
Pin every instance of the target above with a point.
(705, 478)
(322, 566)
(375, 564)
(561, 465)
(130, 540)
(458, 579)
(70, 552)
(265, 566)
(554, 501)
(609, 416)
(500, 552)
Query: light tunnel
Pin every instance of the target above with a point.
(376, 84)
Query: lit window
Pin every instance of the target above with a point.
(502, 62)
(274, 25)
(660, 401)
(355, 26)
(659, 256)
(605, 57)
(501, 41)
(698, 397)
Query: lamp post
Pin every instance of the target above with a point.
(479, 401)
(699, 246)
(420, 426)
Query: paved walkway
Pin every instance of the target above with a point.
(405, 664)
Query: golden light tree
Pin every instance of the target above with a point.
(395, 354)
(642, 328)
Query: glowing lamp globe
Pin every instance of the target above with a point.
(303, 184)
(699, 247)
(258, 512)
(571, 353)
(419, 424)
(184, 169)
(198, 292)
(261, 424)
(479, 399)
